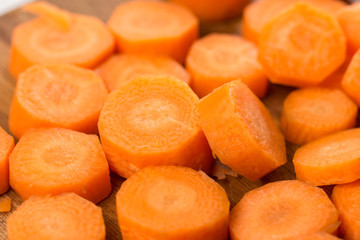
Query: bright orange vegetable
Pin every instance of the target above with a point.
(315, 236)
(351, 79)
(5, 204)
(6, 146)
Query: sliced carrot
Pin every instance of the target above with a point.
(241, 131)
(6, 146)
(334, 79)
(120, 69)
(81, 40)
(5, 204)
(150, 121)
(56, 95)
(351, 79)
(56, 160)
(154, 27)
(65, 216)
(305, 59)
(311, 113)
(333, 159)
(315, 236)
(170, 202)
(220, 58)
(283, 209)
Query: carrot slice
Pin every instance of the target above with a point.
(283, 209)
(120, 69)
(154, 27)
(305, 59)
(241, 131)
(6, 147)
(351, 79)
(220, 58)
(5, 205)
(65, 216)
(311, 113)
(334, 79)
(55, 160)
(81, 40)
(315, 236)
(55, 95)
(170, 202)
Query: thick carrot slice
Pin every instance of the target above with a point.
(220, 58)
(315, 236)
(283, 209)
(56, 160)
(65, 216)
(120, 69)
(81, 40)
(154, 27)
(241, 131)
(311, 113)
(5, 205)
(6, 146)
(305, 59)
(170, 202)
(150, 121)
(55, 95)
(333, 159)
(351, 79)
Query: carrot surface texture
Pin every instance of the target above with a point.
(55, 160)
(6, 146)
(220, 58)
(172, 203)
(62, 217)
(284, 210)
(351, 79)
(241, 131)
(57, 36)
(154, 27)
(315, 236)
(5, 204)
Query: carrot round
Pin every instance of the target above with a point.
(6, 146)
(65, 216)
(154, 27)
(315, 236)
(351, 79)
(241, 131)
(311, 113)
(220, 58)
(172, 203)
(58, 36)
(120, 69)
(55, 160)
(56, 95)
(283, 209)
(305, 59)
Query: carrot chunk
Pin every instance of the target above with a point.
(170, 202)
(6, 146)
(315, 236)
(5, 204)
(55, 160)
(351, 79)
(334, 79)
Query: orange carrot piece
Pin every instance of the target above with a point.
(154, 27)
(55, 95)
(315, 236)
(65, 216)
(56, 160)
(150, 121)
(5, 204)
(311, 113)
(241, 131)
(220, 58)
(6, 147)
(283, 209)
(351, 79)
(120, 69)
(334, 79)
(170, 202)
(306, 59)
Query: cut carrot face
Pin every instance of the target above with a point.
(120, 69)
(5, 205)
(306, 59)
(220, 58)
(315, 236)
(170, 202)
(154, 27)
(351, 79)
(333, 159)
(241, 131)
(57, 36)
(311, 113)
(283, 209)
(6, 146)
(55, 95)
(55, 160)
(65, 216)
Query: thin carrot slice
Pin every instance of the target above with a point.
(154, 27)
(120, 69)
(283, 209)
(351, 79)
(5, 204)
(55, 95)
(241, 131)
(305, 59)
(333, 159)
(170, 202)
(6, 146)
(311, 113)
(55, 160)
(65, 216)
(150, 121)
(315, 236)
(220, 58)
